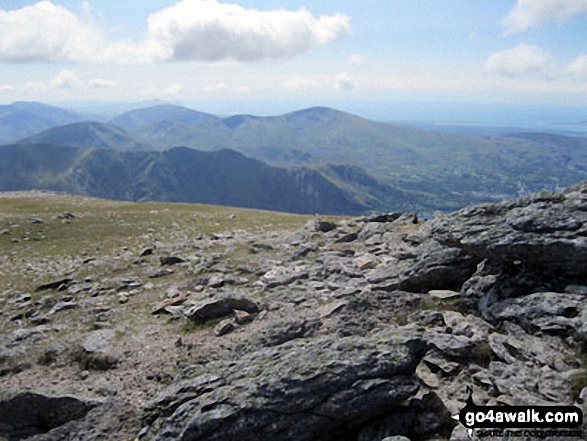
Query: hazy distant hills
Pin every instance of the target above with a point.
(22, 119)
(435, 170)
(223, 177)
(135, 119)
(377, 165)
(88, 134)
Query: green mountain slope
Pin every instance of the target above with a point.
(134, 119)
(88, 134)
(177, 175)
(22, 119)
(436, 170)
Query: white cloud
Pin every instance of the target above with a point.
(46, 32)
(524, 59)
(530, 13)
(225, 88)
(208, 30)
(6, 88)
(99, 83)
(66, 79)
(473, 36)
(300, 84)
(174, 89)
(356, 59)
(578, 67)
(204, 30)
(343, 81)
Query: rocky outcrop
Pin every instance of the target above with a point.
(326, 383)
(38, 416)
(363, 330)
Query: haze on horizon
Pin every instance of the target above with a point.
(272, 56)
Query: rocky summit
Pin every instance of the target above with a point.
(262, 326)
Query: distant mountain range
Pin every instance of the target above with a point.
(22, 119)
(376, 165)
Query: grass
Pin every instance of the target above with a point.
(103, 228)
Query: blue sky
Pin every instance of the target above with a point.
(269, 56)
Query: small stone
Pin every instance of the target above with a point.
(366, 261)
(216, 281)
(162, 306)
(331, 308)
(57, 284)
(170, 260)
(146, 252)
(162, 273)
(62, 306)
(443, 294)
(242, 317)
(224, 327)
(36, 220)
(347, 238)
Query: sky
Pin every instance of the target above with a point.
(271, 56)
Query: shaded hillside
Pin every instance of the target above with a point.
(178, 175)
(136, 118)
(88, 134)
(22, 119)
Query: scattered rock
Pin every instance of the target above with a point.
(99, 341)
(161, 273)
(226, 326)
(443, 294)
(162, 306)
(146, 252)
(54, 285)
(219, 307)
(170, 260)
(242, 317)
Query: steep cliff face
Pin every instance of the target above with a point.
(352, 330)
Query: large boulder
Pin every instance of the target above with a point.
(326, 384)
(39, 416)
(545, 232)
(434, 267)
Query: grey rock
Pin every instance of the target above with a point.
(54, 285)
(316, 225)
(284, 276)
(542, 230)
(220, 306)
(327, 383)
(170, 260)
(347, 238)
(382, 218)
(99, 341)
(226, 326)
(62, 306)
(547, 311)
(161, 273)
(281, 331)
(456, 346)
(25, 414)
(435, 267)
